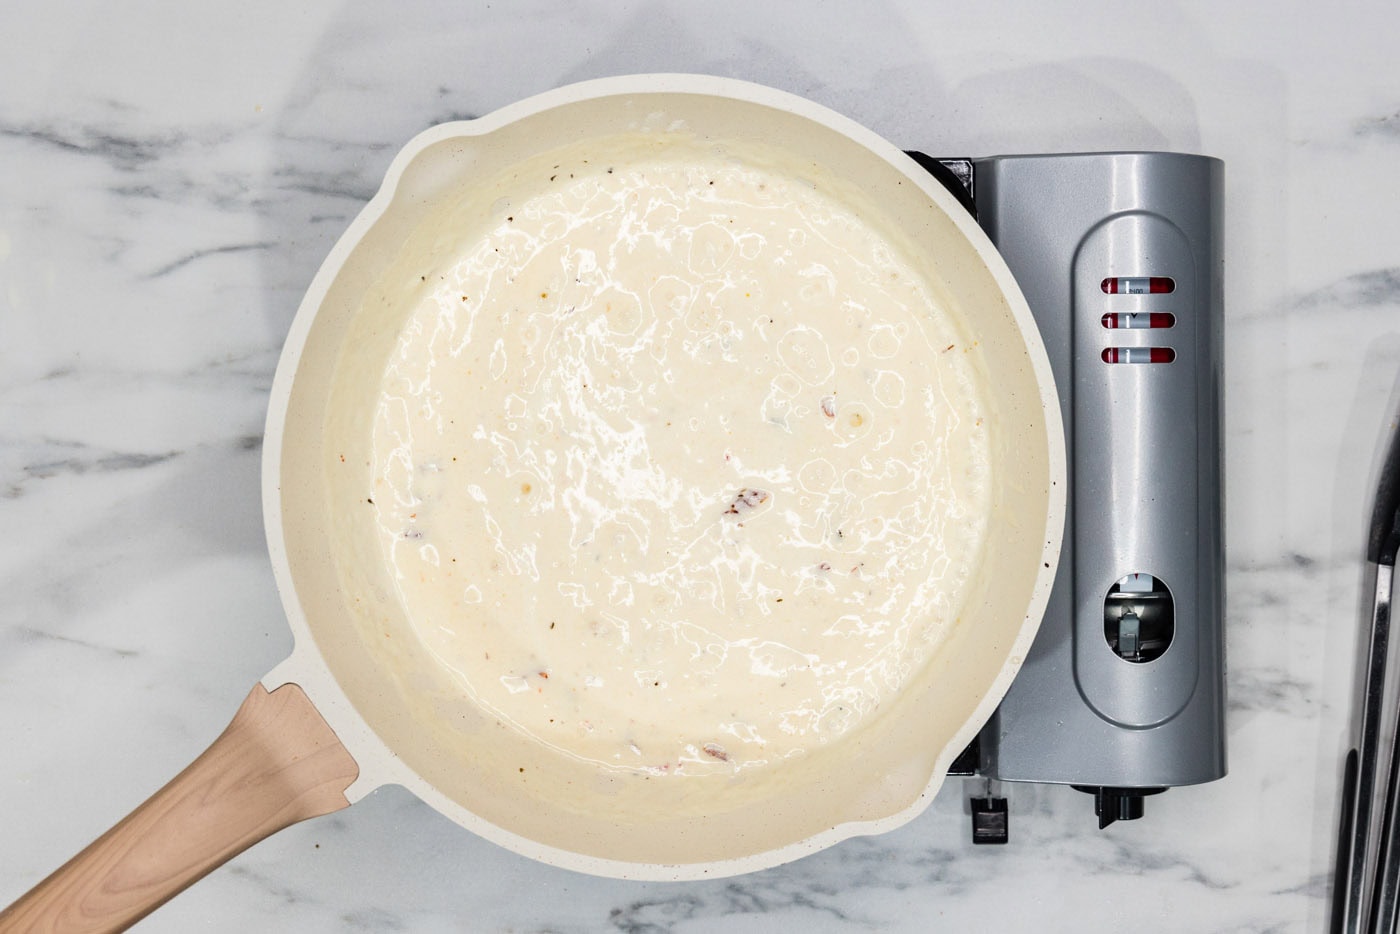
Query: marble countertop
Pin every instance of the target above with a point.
(174, 174)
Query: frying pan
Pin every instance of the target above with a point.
(358, 706)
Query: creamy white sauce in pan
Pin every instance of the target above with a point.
(679, 466)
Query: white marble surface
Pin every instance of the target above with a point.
(171, 176)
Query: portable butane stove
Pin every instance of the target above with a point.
(1119, 255)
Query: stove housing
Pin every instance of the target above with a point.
(1119, 255)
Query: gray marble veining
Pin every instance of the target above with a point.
(173, 177)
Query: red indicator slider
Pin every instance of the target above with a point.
(1138, 355)
(1138, 320)
(1138, 285)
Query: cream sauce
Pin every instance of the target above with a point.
(679, 466)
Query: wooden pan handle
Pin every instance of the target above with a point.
(277, 763)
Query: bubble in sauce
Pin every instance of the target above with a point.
(817, 476)
(888, 389)
(622, 313)
(804, 351)
(670, 297)
(710, 248)
(853, 422)
(883, 342)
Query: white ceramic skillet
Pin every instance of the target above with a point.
(355, 708)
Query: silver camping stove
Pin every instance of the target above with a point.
(1123, 692)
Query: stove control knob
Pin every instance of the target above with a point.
(1115, 804)
(1138, 618)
